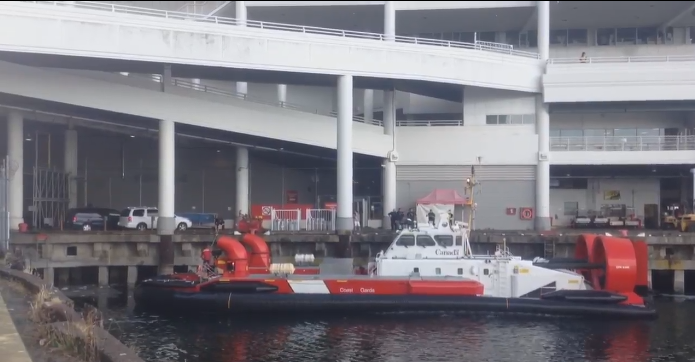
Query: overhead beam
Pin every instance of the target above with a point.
(689, 9)
(64, 119)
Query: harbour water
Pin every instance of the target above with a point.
(403, 338)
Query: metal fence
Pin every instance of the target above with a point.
(5, 171)
(285, 220)
(320, 219)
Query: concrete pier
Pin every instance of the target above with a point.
(12, 348)
(77, 257)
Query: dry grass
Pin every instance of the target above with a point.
(76, 338)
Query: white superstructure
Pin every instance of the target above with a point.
(446, 251)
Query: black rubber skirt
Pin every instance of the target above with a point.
(161, 299)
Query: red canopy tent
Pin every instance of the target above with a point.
(441, 201)
(445, 197)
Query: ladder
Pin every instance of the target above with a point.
(502, 278)
(549, 249)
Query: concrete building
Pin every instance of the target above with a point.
(561, 106)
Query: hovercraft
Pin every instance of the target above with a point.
(425, 269)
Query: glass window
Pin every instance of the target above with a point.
(502, 119)
(571, 208)
(554, 133)
(529, 119)
(460, 271)
(646, 35)
(558, 37)
(406, 240)
(605, 36)
(459, 240)
(425, 240)
(152, 212)
(438, 271)
(139, 212)
(125, 212)
(444, 240)
(665, 38)
(486, 36)
(512, 37)
(594, 132)
(649, 132)
(467, 37)
(625, 132)
(532, 39)
(516, 119)
(571, 133)
(577, 37)
(491, 119)
(627, 36)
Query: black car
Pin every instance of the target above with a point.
(91, 218)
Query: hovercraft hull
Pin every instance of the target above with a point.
(264, 301)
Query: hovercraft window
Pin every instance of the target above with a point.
(416, 270)
(460, 271)
(425, 240)
(406, 240)
(486, 271)
(444, 240)
(438, 271)
(459, 240)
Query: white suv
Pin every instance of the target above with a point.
(141, 218)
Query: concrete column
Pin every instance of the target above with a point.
(692, 205)
(242, 180)
(390, 21)
(196, 83)
(543, 167)
(70, 162)
(282, 94)
(132, 276)
(167, 177)
(344, 222)
(166, 78)
(368, 105)
(15, 154)
(679, 282)
(103, 276)
(543, 29)
(241, 17)
(389, 112)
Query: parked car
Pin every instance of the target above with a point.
(142, 217)
(91, 218)
(201, 220)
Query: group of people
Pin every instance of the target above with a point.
(398, 219)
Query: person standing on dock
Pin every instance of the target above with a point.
(394, 216)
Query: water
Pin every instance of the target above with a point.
(405, 338)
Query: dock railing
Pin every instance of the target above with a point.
(320, 219)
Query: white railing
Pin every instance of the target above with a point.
(115, 8)
(434, 123)
(617, 143)
(637, 59)
(285, 220)
(223, 92)
(320, 219)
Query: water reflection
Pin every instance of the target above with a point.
(403, 338)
